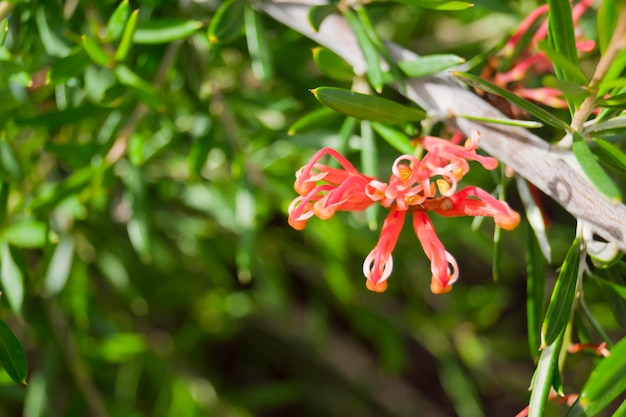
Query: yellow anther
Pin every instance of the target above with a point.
(443, 186)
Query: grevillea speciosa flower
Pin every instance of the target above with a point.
(519, 60)
(416, 187)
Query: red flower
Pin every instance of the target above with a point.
(416, 186)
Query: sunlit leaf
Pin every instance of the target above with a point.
(97, 54)
(258, 46)
(157, 31)
(117, 21)
(562, 299)
(538, 112)
(528, 124)
(607, 19)
(612, 153)
(331, 65)
(436, 4)
(11, 278)
(12, 357)
(27, 233)
(127, 37)
(561, 36)
(366, 107)
(53, 44)
(60, 265)
(598, 177)
(429, 64)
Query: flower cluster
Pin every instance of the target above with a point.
(521, 60)
(417, 186)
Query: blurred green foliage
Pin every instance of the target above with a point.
(147, 266)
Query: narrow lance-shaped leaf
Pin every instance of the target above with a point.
(598, 177)
(544, 376)
(536, 271)
(371, 33)
(313, 121)
(538, 112)
(569, 68)
(127, 37)
(258, 46)
(607, 19)
(612, 153)
(561, 35)
(398, 140)
(436, 4)
(165, 30)
(374, 72)
(227, 24)
(117, 21)
(562, 300)
(429, 64)
(60, 265)
(606, 382)
(366, 107)
(12, 357)
(27, 233)
(97, 54)
(332, 65)
(11, 278)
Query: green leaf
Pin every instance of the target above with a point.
(313, 121)
(317, 14)
(143, 88)
(127, 37)
(369, 165)
(227, 24)
(535, 283)
(571, 69)
(561, 36)
(545, 373)
(158, 31)
(528, 124)
(594, 172)
(436, 4)
(607, 19)
(538, 112)
(614, 126)
(372, 34)
(606, 382)
(52, 43)
(372, 60)
(27, 233)
(12, 357)
(60, 265)
(12, 279)
(398, 140)
(611, 153)
(4, 31)
(98, 55)
(332, 65)
(429, 64)
(562, 300)
(614, 101)
(68, 67)
(614, 291)
(258, 46)
(117, 21)
(9, 165)
(366, 107)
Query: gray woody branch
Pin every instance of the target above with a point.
(550, 170)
